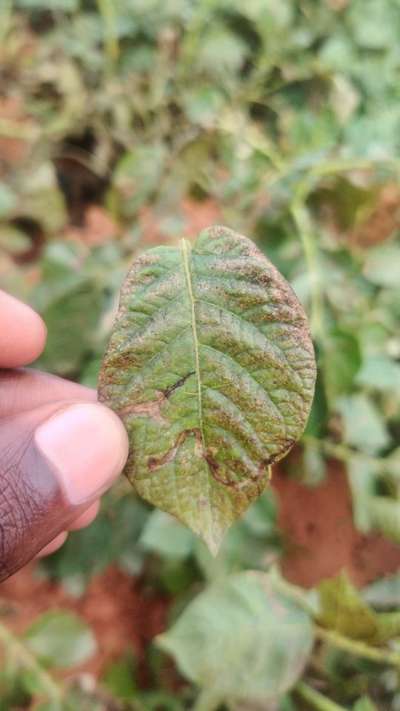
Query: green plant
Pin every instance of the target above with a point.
(211, 367)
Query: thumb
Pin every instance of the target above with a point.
(55, 461)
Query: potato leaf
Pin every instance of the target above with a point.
(211, 367)
(343, 609)
(61, 639)
(241, 639)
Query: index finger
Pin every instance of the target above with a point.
(22, 332)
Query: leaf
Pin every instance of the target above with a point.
(341, 361)
(91, 550)
(381, 373)
(164, 535)
(241, 639)
(8, 201)
(221, 53)
(72, 322)
(61, 639)
(203, 105)
(365, 704)
(384, 515)
(137, 175)
(53, 5)
(362, 475)
(384, 592)
(382, 265)
(313, 465)
(363, 423)
(119, 678)
(375, 23)
(343, 609)
(249, 543)
(211, 368)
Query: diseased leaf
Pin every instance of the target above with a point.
(211, 367)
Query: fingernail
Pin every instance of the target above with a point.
(86, 446)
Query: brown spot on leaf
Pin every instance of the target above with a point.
(168, 391)
(156, 462)
(147, 409)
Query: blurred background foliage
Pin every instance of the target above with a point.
(127, 123)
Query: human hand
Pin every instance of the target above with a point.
(59, 449)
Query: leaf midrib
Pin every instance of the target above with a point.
(188, 275)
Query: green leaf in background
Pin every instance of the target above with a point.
(341, 361)
(211, 367)
(363, 424)
(221, 53)
(66, 5)
(379, 372)
(72, 298)
(89, 551)
(72, 323)
(363, 476)
(119, 678)
(14, 241)
(137, 175)
(8, 200)
(382, 265)
(203, 104)
(365, 704)
(384, 514)
(252, 542)
(241, 640)
(61, 639)
(165, 536)
(383, 593)
(375, 23)
(343, 609)
(313, 467)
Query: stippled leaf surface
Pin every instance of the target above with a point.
(211, 367)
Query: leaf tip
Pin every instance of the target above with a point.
(213, 542)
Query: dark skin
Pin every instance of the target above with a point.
(59, 449)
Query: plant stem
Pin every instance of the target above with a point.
(346, 165)
(24, 656)
(357, 648)
(302, 221)
(352, 646)
(316, 699)
(107, 12)
(207, 700)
